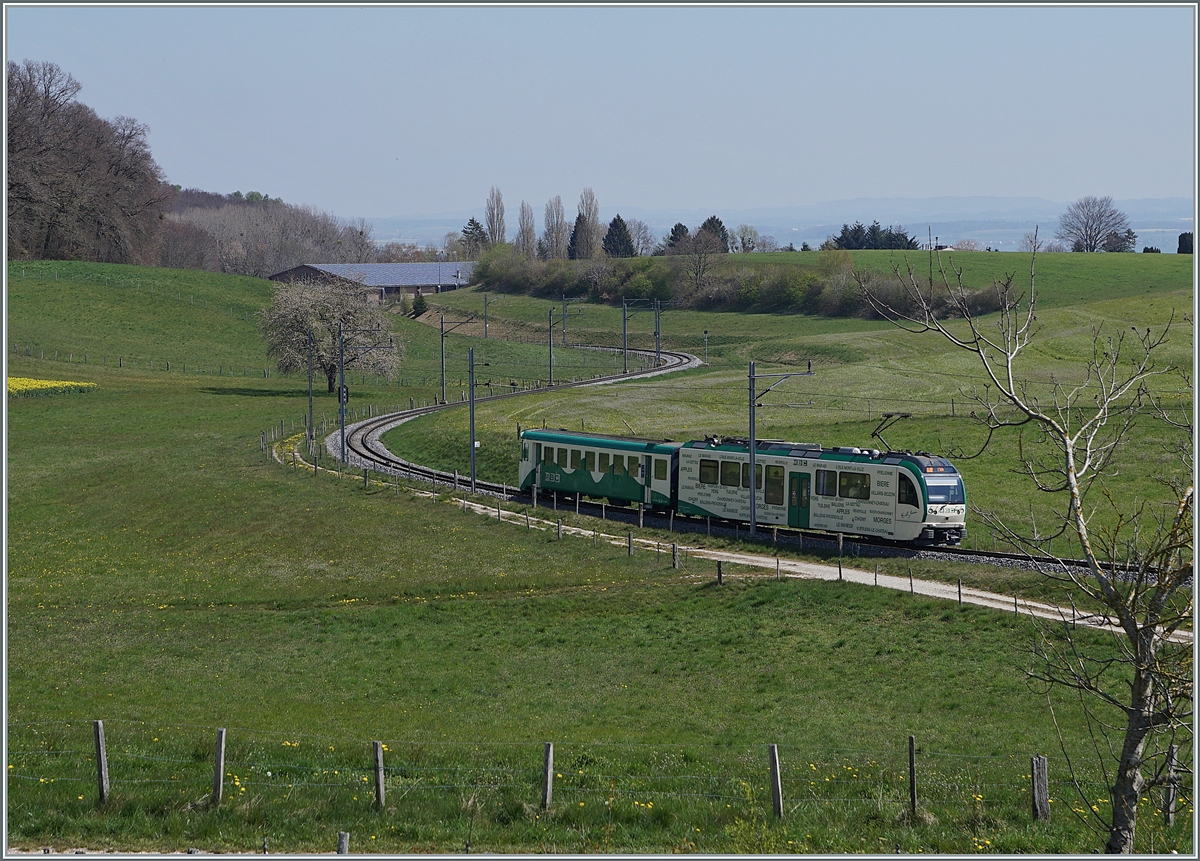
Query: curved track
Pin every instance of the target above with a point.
(365, 451)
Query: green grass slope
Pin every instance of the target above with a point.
(167, 577)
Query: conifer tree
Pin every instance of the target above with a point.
(617, 241)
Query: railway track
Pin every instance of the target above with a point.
(364, 450)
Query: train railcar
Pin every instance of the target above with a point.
(624, 470)
(899, 496)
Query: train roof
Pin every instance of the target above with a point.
(582, 438)
(924, 461)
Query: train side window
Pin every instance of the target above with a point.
(576, 458)
(604, 461)
(773, 495)
(757, 475)
(826, 483)
(618, 464)
(660, 469)
(525, 451)
(548, 455)
(731, 473)
(562, 458)
(709, 471)
(589, 461)
(854, 485)
(908, 493)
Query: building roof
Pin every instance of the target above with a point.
(395, 274)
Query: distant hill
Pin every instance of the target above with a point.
(998, 222)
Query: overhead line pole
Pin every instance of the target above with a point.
(342, 387)
(311, 433)
(754, 396)
(471, 384)
(446, 331)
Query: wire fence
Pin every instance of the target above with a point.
(512, 377)
(86, 761)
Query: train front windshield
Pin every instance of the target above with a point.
(945, 489)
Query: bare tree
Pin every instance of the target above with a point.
(308, 305)
(78, 186)
(186, 246)
(494, 217)
(270, 236)
(1030, 242)
(643, 237)
(400, 252)
(697, 253)
(556, 233)
(746, 238)
(453, 247)
(1138, 562)
(526, 241)
(1088, 222)
(587, 241)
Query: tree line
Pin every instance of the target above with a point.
(84, 187)
(79, 186)
(588, 238)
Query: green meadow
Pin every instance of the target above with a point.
(168, 577)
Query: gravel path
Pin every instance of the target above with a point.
(816, 571)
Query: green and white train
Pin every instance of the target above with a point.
(896, 496)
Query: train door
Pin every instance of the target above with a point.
(647, 465)
(798, 490)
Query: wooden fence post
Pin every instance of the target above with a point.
(379, 775)
(641, 514)
(630, 544)
(776, 785)
(1040, 788)
(960, 591)
(720, 579)
(548, 775)
(560, 529)
(218, 769)
(343, 843)
(674, 555)
(101, 761)
(912, 777)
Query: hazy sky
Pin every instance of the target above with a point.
(392, 110)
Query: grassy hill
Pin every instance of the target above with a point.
(167, 577)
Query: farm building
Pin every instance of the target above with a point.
(386, 280)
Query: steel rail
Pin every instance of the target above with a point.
(367, 452)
